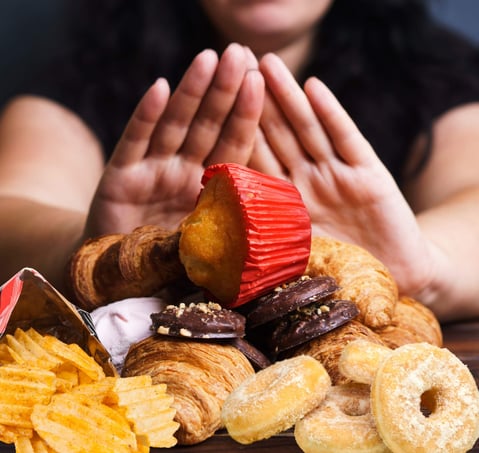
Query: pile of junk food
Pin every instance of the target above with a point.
(241, 320)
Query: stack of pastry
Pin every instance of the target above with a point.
(199, 375)
(113, 267)
(384, 317)
(249, 236)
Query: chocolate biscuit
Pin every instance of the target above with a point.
(310, 322)
(253, 354)
(199, 320)
(289, 297)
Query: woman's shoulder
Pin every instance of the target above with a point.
(33, 125)
(35, 111)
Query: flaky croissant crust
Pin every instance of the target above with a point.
(199, 375)
(362, 278)
(113, 267)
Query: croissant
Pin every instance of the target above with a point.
(93, 276)
(413, 322)
(113, 267)
(327, 348)
(150, 253)
(362, 278)
(199, 375)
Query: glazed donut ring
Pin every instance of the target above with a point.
(343, 423)
(274, 399)
(411, 374)
(360, 359)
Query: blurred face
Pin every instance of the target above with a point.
(265, 25)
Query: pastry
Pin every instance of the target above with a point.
(148, 256)
(248, 233)
(362, 278)
(199, 320)
(327, 348)
(200, 375)
(342, 423)
(274, 399)
(253, 354)
(360, 360)
(288, 297)
(412, 322)
(309, 322)
(401, 382)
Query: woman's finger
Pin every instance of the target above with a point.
(347, 140)
(236, 140)
(184, 103)
(296, 108)
(217, 104)
(136, 137)
(279, 134)
(263, 158)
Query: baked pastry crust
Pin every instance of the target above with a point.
(113, 267)
(413, 322)
(199, 375)
(328, 348)
(362, 277)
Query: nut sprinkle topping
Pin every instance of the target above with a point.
(204, 320)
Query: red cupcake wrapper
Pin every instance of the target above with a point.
(278, 229)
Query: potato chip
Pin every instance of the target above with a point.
(122, 386)
(16, 358)
(148, 407)
(25, 356)
(21, 385)
(54, 397)
(5, 356)
(67, 377)
(99, 390)
(73, 354)
(23, 445)
(15, 415)
(9, 434)
(32, 343)
(21, 388)
(36, 336)
(33, 444)
(75, 423)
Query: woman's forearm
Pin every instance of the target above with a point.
(453, 230)
(38, 236)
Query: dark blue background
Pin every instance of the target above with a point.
(32, 31)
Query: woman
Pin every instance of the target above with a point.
(407, 84)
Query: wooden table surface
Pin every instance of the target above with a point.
(461, 338)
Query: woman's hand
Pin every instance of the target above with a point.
(155, 172)
(307, 137)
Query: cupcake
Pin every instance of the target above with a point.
(248, 233)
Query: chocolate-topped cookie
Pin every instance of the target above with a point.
(253, 354)
(289, 297)
(199, 320)
(309, 322)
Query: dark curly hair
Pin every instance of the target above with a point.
(392, 67)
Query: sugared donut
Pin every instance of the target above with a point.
(342, 423)
(420, 372)
(274, 399)
(360, 359)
